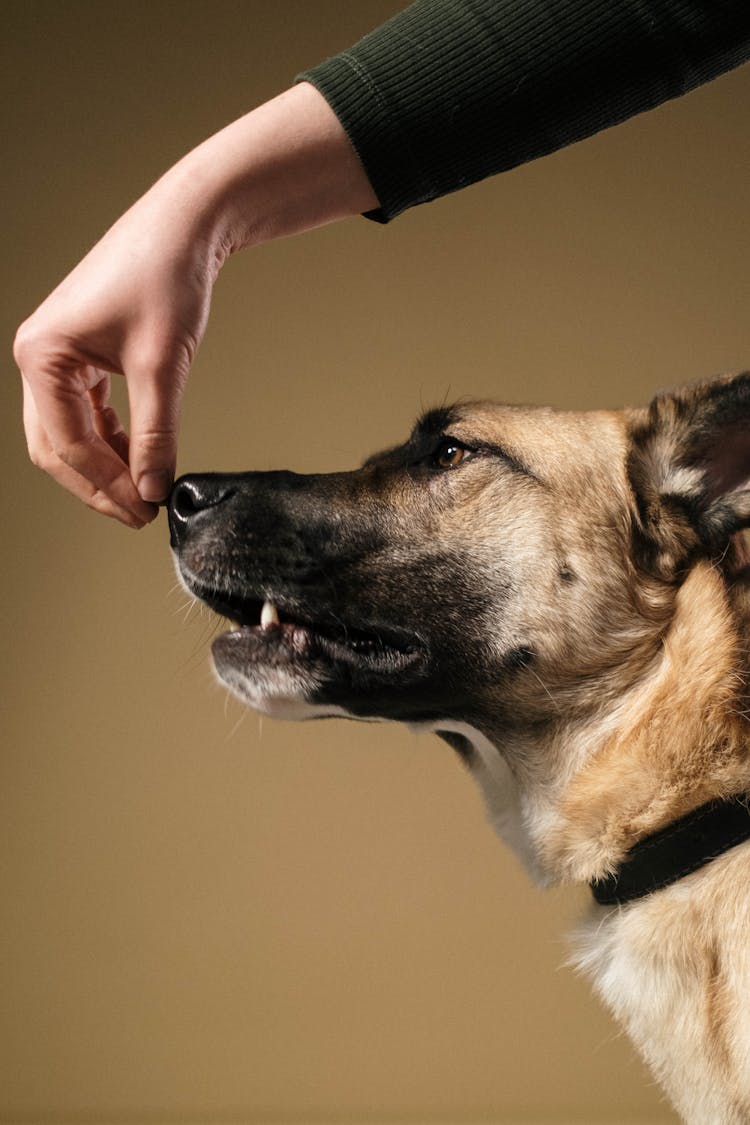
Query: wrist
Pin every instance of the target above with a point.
(283, 168)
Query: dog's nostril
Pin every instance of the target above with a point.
(184, 501)
(193, 494)
(187, 499)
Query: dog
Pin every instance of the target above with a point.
(564, 598)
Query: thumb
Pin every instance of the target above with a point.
(155, 401)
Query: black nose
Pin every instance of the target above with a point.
(192, 495)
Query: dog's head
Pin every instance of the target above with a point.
(501, 567)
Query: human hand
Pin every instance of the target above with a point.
(137, 304)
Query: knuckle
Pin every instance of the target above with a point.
(40, 458)
(43, 358)
(100, 502)
(108, 416)
(168, 359)
(24, 343)
(155, 439)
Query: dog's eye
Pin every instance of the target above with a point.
(448, 454)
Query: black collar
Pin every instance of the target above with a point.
(683, 846)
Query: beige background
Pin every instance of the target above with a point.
(206, 918)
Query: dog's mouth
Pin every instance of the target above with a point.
(271, 630)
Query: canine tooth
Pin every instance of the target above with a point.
(268, 615)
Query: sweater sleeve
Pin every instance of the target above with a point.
(449, 92)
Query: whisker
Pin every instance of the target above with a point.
(239, 722)
(541, 682)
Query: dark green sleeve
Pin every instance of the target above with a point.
(451, 91)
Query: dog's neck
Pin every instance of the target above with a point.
(677, 739)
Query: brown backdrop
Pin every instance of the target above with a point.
(205, 917)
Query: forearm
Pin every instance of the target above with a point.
(138, 303)
(283, 168)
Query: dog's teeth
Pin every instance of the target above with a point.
(268, 615)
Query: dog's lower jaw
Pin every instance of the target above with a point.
(278, 693)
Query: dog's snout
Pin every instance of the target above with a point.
(192, 495)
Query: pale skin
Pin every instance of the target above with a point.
(138, 303)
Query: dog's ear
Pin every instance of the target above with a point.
(689, 466)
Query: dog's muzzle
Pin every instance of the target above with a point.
(267, 552)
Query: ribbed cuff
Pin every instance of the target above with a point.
(366, 116)
(451, 91)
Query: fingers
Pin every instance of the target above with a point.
(106, 422)
(155, 394)
(75, 435)
(72, 430)
(73, 445)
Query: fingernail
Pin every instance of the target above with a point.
(154, 486)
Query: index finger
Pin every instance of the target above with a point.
(65, 413)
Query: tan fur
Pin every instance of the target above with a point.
(635, 715)
(682, 738)
(584, 580)
(644, 708)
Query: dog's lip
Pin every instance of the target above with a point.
(270, 622)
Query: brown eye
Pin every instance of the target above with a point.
(449, 454)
